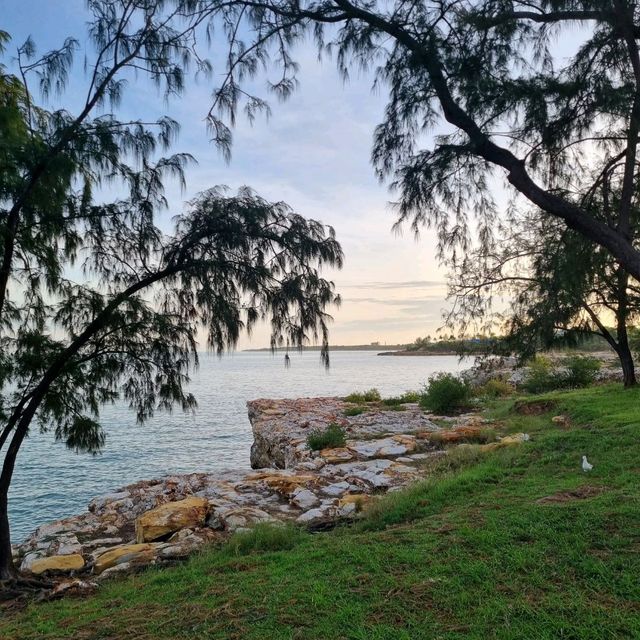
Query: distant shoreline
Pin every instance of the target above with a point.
(419, 353)
(354, 347)
(389, 350)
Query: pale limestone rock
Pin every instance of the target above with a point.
(304, 499)
(235, 519)
(336, 489)
(98, 504)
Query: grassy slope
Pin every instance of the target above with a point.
(469, 554)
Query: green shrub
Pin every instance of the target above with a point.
(354, 411)
(581, 371)
(372, 395)
(265, 537)
(410, 396)
(445, 392)
(332, 436)
(495, 388)
(397, 401)
(540, 377)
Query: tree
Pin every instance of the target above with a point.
(485, 71)
(554, 287)
(97, 303)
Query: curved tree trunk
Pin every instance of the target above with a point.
(7, 570)
(626, 361)
(623, 350)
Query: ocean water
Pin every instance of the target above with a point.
(52, 482)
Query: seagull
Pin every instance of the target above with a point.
(586, 466)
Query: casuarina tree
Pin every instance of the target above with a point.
(544, 285)
(98, 303)
(541, 98)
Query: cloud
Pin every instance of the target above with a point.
(407, 284)
(399, 302)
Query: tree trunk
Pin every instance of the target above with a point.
(626, 360)
(7, 570)
(624, 352)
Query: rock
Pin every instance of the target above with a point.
(507, 441)
(72, 587)
(315, 514)
(243, 518)
(304, 499)
(72, 562)
(357, 499)
(98, 504)
(561, 420)
(336, 489)
(284, 483)
(127, 553)
(314, 488)
(170, 517)
(457, 434)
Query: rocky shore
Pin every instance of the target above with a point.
(161, 520)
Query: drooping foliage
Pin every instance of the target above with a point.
(541, 98)
(543, 286)
(98, 302)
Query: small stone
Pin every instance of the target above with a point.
(304, 499)
(336, 489)
(336, 455)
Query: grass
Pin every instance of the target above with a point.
(354, 411)
(357, 397)
(469, 553)
(332, 436)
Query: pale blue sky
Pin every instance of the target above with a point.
(313, 153)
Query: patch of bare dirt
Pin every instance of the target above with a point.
(581, 493)
(534, 407)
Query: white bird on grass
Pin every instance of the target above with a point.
(586, 466)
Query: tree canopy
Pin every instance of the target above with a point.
(509, 106)
(97, 302)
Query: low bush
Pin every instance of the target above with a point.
(397, 401)
(495, 388)
(541, 376)
(332, 436)
(372, 395)
(577, 371)
(410, 396)
(354, 411)
(581, 371)
(444, 393)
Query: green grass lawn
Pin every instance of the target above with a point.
(470, 553)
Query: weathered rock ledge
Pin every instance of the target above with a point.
(161, 520)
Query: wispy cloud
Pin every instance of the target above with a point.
(407, 284)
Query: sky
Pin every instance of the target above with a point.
(313, 153)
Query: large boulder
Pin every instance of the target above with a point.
(72, 562)
(129, 554)
(170, 517)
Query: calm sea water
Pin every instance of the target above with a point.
(52, 482)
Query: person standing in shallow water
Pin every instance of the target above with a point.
(287, 360)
